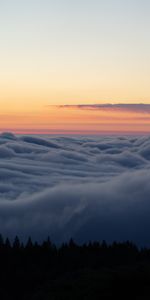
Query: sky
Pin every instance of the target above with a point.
(67, 52)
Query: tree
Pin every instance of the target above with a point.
(7, 244)
(16, 244)
(29, 244)
(1, 241)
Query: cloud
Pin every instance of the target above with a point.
(81, 187)
(131, 107)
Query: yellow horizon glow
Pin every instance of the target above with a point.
(53, 119)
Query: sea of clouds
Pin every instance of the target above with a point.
(88, 188)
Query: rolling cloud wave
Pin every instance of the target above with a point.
(81, 187)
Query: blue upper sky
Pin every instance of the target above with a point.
(74, 51)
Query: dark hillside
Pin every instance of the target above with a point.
(93, 271)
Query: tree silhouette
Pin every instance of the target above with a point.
(16, 244)
(31, 268)
(29, 244)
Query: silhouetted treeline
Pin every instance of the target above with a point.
(70, 255)
(44, 271)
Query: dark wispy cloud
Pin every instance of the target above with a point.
(139, 107)
(84, 187)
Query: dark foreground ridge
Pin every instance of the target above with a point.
(90, 271)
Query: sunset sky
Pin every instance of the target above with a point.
(73, 53)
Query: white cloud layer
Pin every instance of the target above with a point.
(81, 187)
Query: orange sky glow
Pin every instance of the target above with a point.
(76, 120)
